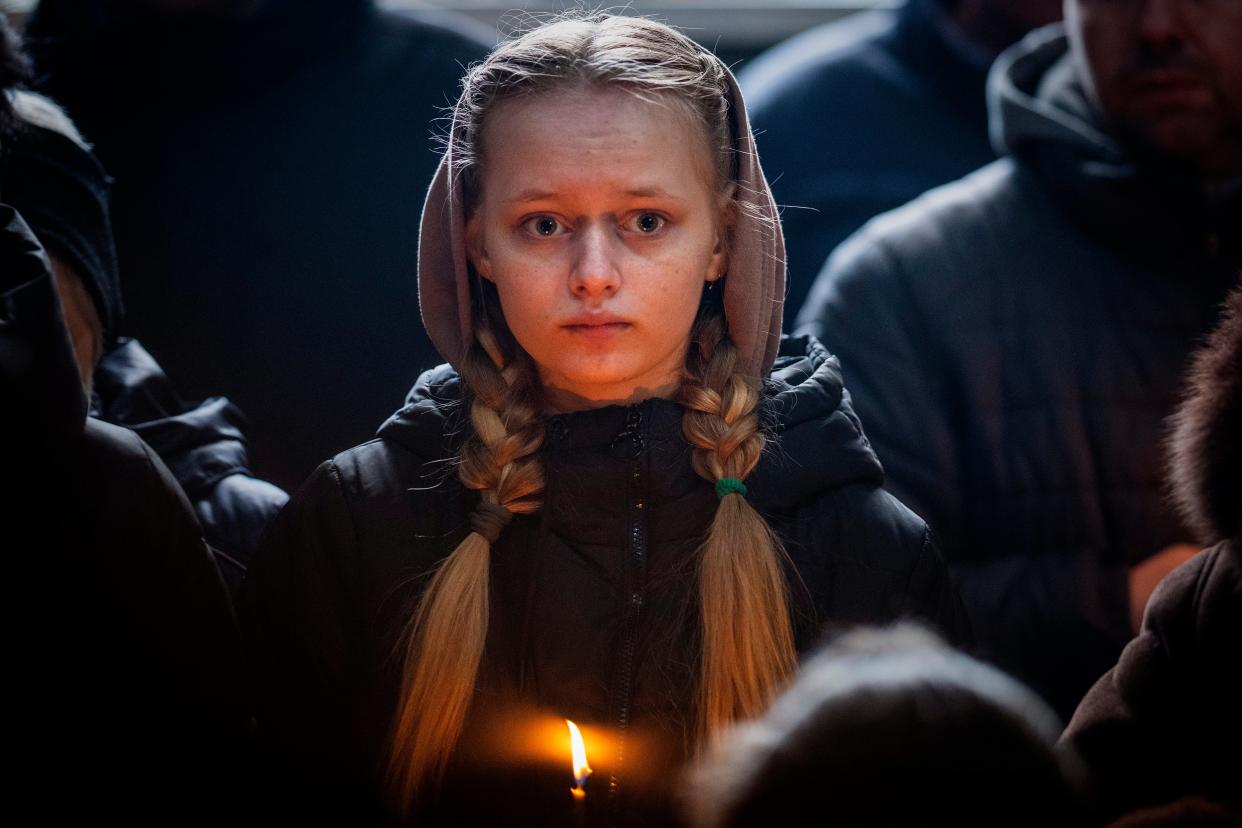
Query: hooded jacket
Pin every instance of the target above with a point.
(1164, 724)
(1014, 341)
(592, 598)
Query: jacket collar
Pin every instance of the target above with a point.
(819, 442)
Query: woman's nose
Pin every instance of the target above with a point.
(595, 270)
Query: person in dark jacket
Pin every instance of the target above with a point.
(1014, 340)
(891, 727)
(49, 173)
(126, 663)
(1163, 726)
(581, 518)
(859, 116)
(270, 159)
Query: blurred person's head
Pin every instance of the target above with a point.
(995, 24)
(47, 172)
(891, 727)
(1167, 75)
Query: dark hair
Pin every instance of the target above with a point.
(892, 727)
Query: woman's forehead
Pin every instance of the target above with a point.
(593, 140)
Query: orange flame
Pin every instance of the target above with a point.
(581, 769)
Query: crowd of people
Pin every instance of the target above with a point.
(904, 488)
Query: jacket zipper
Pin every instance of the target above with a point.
(638, 558)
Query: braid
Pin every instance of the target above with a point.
(449, 628)
(747, 640)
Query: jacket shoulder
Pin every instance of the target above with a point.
(997, 198)
(946, 240)
(865, 558)
(864, 526)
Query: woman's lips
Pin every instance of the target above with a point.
(597, 330)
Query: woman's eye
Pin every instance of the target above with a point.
(543, 226)
(648, 222)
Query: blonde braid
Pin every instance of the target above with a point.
(499, 459)
(747, 639)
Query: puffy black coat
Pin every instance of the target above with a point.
(592, 601)
(1014, 341)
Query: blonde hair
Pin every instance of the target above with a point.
(746, 636)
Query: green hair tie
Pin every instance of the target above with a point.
(730, 485)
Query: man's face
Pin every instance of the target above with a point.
(1167, 74)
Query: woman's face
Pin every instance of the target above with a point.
(599, 223)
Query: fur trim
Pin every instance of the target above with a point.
(1206, 441)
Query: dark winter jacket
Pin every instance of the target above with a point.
(1014, 341)
(270, 170)
(203, 446)
(128, 685)
(859, 116)
(592, 598)
(1165, 723)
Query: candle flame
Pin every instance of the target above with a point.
(581, 769)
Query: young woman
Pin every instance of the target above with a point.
(625, 501)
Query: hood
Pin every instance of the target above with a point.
(754, 288)
(1206, 441)
(200, 443)
(44, 406)
(1040, 113)
(820, 442)
(50, 175)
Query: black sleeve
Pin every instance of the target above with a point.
(867, 559)
(297, 617)
(932, 595)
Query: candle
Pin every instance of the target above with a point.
(581, 771)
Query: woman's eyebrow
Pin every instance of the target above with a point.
(652, 192)
(531, 195)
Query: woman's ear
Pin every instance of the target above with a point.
(726, 218)
(476, 251)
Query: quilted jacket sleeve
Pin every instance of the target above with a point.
(1051, 619)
